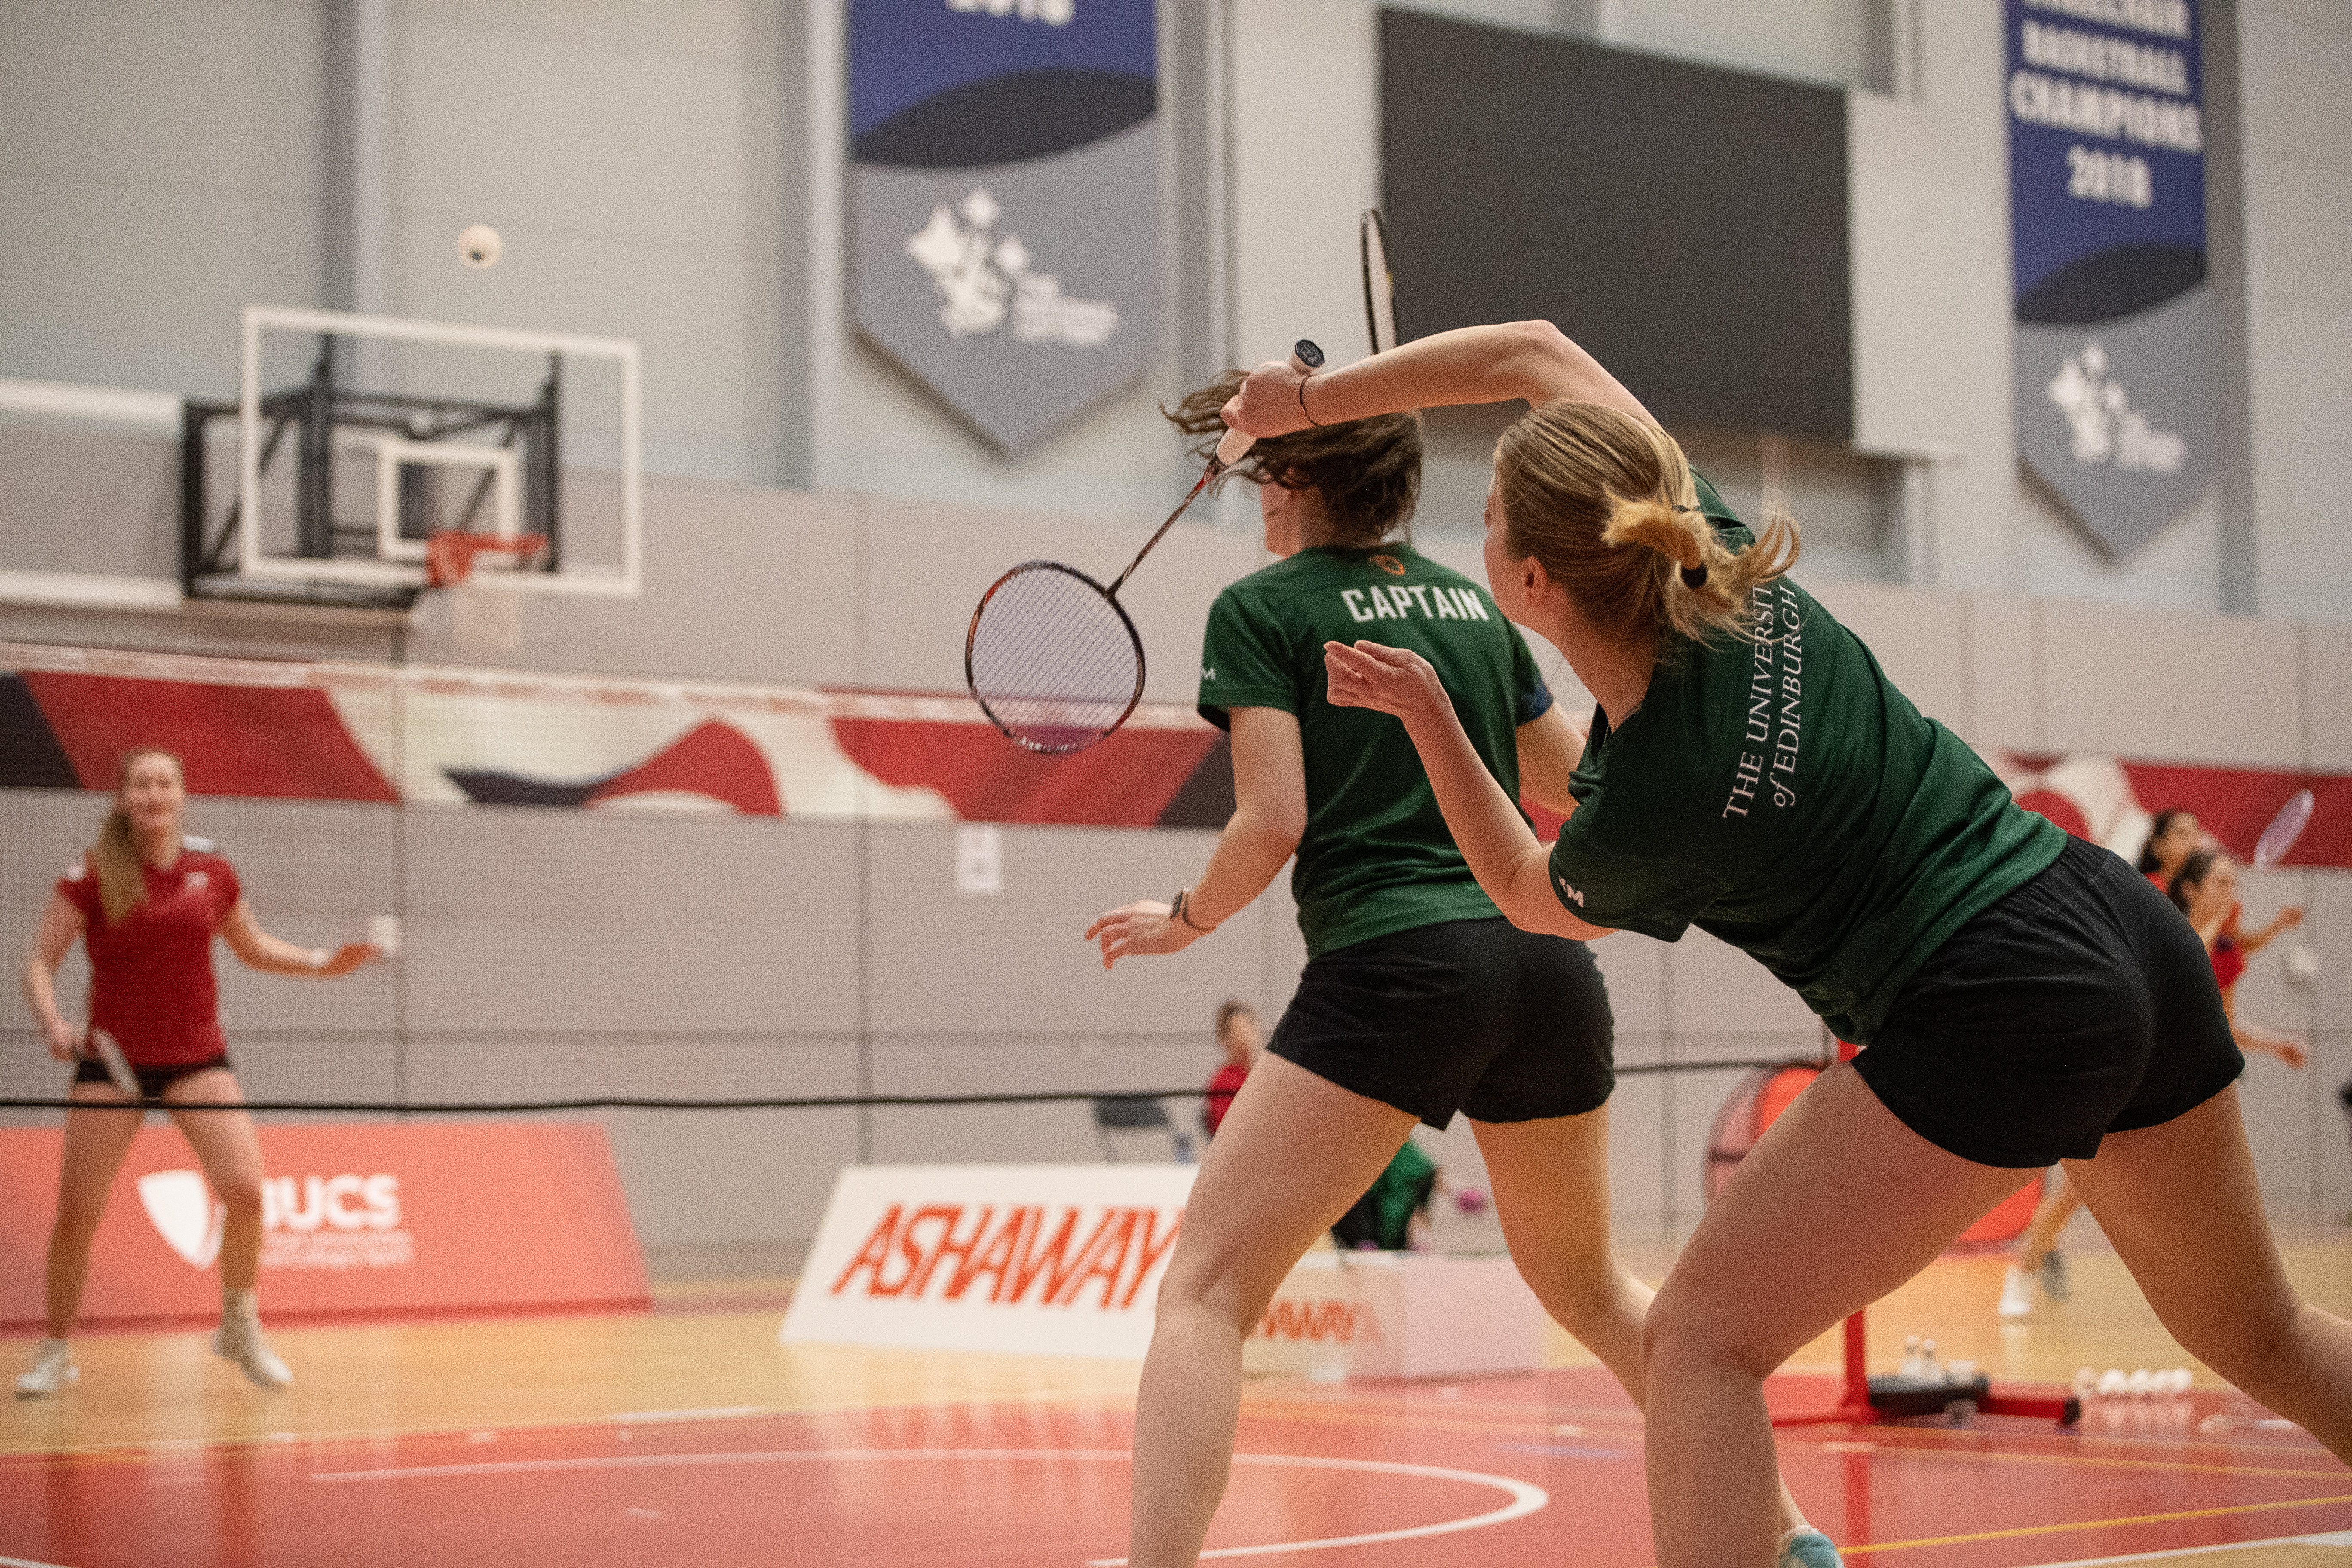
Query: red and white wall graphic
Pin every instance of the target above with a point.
(461, 737)
(357, 1219)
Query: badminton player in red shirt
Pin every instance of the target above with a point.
(1237, 1032)
(146, 901)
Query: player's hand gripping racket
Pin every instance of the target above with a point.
(2284, 829)
(98, 1043)
(1379, 282)
(1052, 658)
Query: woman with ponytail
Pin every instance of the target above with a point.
(1418, 999)
(147, 900)
(2025, 997)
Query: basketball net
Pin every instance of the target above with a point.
(487, 620)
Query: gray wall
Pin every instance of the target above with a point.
(673, 175)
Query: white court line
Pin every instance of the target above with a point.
(25, 1563)
(2331, 1538)
(1525, 1497)
(713, 1413)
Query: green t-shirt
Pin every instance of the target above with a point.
(1783, 795)
(1376, 856)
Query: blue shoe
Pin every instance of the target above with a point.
(1808, 1549)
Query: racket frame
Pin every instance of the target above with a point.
(1135, 641)
(2297, 811)
(1373, 250)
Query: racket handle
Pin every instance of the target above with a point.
(1304, 356)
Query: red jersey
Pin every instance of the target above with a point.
(2228, 963)
(151, 977)
(1222, 1089)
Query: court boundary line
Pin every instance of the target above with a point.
(2117, 1523)
(1526, 1497)
(2324, 1538)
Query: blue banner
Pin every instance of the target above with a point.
(2107, 146)
(1004, 194)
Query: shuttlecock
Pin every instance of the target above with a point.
(2113, 1382)
(2141, 1383)
(2179, 1380)
(1910, 1367)
(478, 246)
(1931, 1369)
(2086, 1381)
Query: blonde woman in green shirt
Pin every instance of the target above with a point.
(2024, 997)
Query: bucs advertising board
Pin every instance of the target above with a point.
(2106, 157)
(357, 1219)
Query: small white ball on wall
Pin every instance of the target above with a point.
(480, 245)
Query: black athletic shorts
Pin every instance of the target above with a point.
(152, 1080)
(1478, 1017)
(2080, 1004)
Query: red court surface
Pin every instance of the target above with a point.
(1543, 1469)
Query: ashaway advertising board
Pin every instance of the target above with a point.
(2106, 148)
(1004, 200)
(356, 1218)
(1063, 1258)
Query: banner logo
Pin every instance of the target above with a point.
(339, 1221)
(181, 1205)
(2107, 428)
(978, 274)
(1056, 1256)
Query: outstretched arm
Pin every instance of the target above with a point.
(1530, 360)
(264, 951)
(1269, 816)
(1511, 864)
(2290, 916)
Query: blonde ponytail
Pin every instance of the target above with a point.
(1606, 501)
(120, 868)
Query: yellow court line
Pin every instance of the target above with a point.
(2091, 1524)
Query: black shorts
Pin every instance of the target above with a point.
(152, 1080)
(1478, 1017)
(2080, 1004)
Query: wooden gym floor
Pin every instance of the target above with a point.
(687, 1436)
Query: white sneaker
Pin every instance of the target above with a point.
(2016, 1295)
(53, 1371)
(240, 1339)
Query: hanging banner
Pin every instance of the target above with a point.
(1004, 200)
(2107, 143)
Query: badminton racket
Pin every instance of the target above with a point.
(1051, 657)
(102, 1045)
(2284, 829)
(1379, 282)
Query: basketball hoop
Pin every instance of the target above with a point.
(449, 555)
(481, 618)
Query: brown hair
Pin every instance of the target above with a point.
(2193, 871)
(122, 877)
(1367, 471)
(1578, 481)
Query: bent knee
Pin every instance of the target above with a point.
(1682, 1328)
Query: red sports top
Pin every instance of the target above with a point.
(2228, 963)
(1222, 1089)
(151, 977)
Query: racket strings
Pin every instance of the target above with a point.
(1052, 660)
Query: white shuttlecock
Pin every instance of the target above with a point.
(2086, 1381)
(2113, 1382)
(480, 247)
(2179, 1380)
(2141, 1383)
